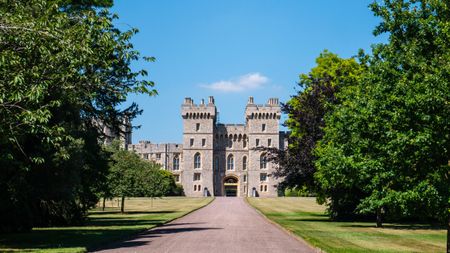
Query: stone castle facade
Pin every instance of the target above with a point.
(220, 159)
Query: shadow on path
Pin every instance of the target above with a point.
(143, 238)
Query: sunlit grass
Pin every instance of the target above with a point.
(305, 218)
(103, 226)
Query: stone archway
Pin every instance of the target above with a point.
(230, 186)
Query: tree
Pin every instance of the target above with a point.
(64, 68)
(131, 176)
(306, 111)
(156, 182)
(389, 138)
(125, 174)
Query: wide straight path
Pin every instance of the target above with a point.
(225, 225)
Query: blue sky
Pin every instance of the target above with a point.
(232, 50)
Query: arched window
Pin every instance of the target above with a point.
(197, 161)
(230, 162)
(263, 162)
(244, 163)
(176, 163)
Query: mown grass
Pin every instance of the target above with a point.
(305, 218)
(103, 227)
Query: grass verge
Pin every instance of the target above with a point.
(103, 227)
(305, 218)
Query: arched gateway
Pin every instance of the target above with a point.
(230, 186)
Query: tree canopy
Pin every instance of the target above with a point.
(64, 68)
(306, 111)
(389, 139)
(131, 176)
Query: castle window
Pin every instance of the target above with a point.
(263, 162)
(177, 178)
(244, 143)
(197, 176)
(265, 188)
(269, 142)
(199, 187)
(203, 142)
(197, 161)
(197, 127)
(263, 177)
(176, 163)
(230, 162)
(146, 156)
(191, 142)
(263, 127)
(257, 142)
(158, 155)
(244, 163)
(195, 187)
(245, 178)
(261, 187)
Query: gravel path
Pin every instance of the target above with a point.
(225, 225)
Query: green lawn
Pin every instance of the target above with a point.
(305, 218)
(103, 227)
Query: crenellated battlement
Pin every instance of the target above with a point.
(190, 110)
(270, 110)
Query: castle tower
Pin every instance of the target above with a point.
(262, 123)
(198, 131)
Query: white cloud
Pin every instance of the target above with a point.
(245, 82)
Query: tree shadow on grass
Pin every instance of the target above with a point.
(130, 212)
(364, 222)
(312, 217)
(102, 222)
(399, 226)
(63, 238)
(97, 231)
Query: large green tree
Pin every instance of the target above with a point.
(306, 111)
(390, 137)
(64, 68)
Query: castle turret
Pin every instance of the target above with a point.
(262, 123)
(198, 131)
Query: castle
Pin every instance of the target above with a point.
(220, 159)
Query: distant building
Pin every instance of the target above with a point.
(219, 159)
(111, 133)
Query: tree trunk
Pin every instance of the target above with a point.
(103, 207)
(379, 218)
(122, 206)
(448, 232)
